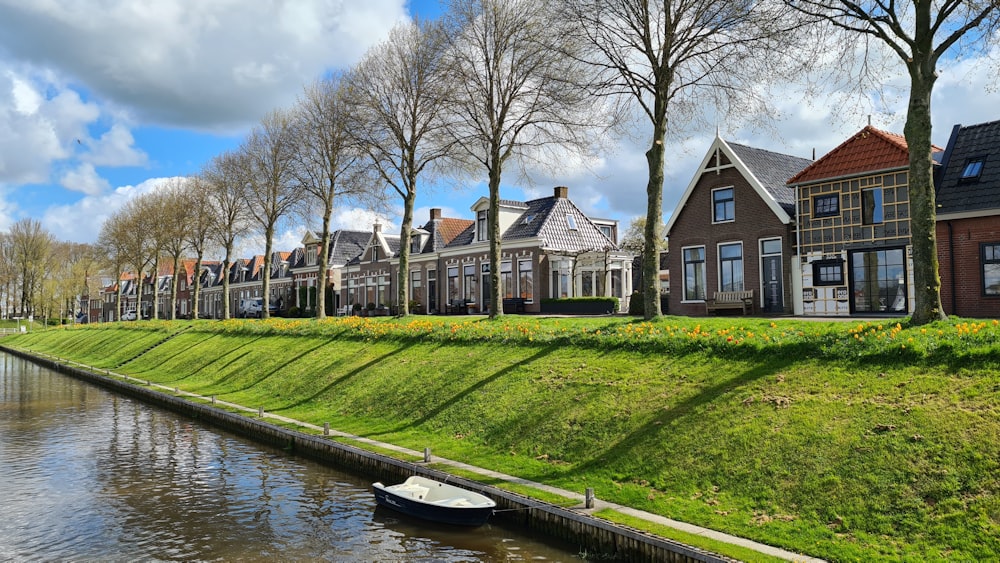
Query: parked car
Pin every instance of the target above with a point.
(129, 316)
(251, 307)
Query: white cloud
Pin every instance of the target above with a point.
(116, 147)
(206, 64)
(84, 179)
(81, 221)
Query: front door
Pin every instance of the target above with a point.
(773, 290)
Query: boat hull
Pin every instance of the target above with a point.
(444, 514)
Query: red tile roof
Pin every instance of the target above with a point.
(868, 150)
(451, 228)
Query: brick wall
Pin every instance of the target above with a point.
(961, 268)
(754, 220)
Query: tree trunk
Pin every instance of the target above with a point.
(266, 286)
(173, 289)
(493, 225)
(323, 264)
(226, 265)
(926, 280)
(196, 290)
(654, 219)
(402, 287)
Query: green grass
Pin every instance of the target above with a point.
(846, 441)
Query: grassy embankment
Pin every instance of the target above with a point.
(851, 442)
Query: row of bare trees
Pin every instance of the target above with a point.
(530, 84)
(41, 276)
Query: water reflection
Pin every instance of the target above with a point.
(87, 475)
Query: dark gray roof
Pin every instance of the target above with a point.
(546, 219)
(955, 195)
(346, 245)
(773, 170)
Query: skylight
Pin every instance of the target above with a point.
(571, 222)
(973, 168)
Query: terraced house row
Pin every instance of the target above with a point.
(831, 237)
(550, 249)
(755, 232)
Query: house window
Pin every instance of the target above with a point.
(416, 287)
(826, 205)
(481, 225)
(723, 205)
(525, 280)
(469, 272)
(415, 245)
(560, 279)
(383, 291)
(375, 253)
(571, 222)
(694, 273)
(506, 280)
(311, 256)
(731, 267)
(973, 168)
(453, 292)
(828, 272)
(871, 206)
(878, 281)
(606, 231)
(991, 268)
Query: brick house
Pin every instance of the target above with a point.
(854, 228)
(734, 229)
(968, 221)
(344, 246)
(549, 249)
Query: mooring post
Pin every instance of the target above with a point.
(213, 399)
(589, 498)
(427, 455)
(326, 428)
(260, 412)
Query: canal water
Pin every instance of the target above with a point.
(87, 475)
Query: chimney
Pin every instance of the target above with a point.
(562, 192)
(435, 213)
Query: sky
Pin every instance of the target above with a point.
(102, 100)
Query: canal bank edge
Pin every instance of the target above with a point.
(574, 525)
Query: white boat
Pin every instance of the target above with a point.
(433, 500)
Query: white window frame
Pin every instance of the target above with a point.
(704, 274)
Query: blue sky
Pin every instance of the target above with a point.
(100, 101)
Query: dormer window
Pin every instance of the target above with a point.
(571, 222)
(311, 256)
(973, 168)
(481, 225)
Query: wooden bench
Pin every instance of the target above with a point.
(723, 300)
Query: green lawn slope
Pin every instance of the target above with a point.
(846, 441)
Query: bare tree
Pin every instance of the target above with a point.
(272, 189)
(399, 91)
(668, 59)
(919, 33)
(111, 242)
(136, 247)
(226, 177)
(516, 95)
(31, 247)
(175, 212)
(327, 163)
(197, 232)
